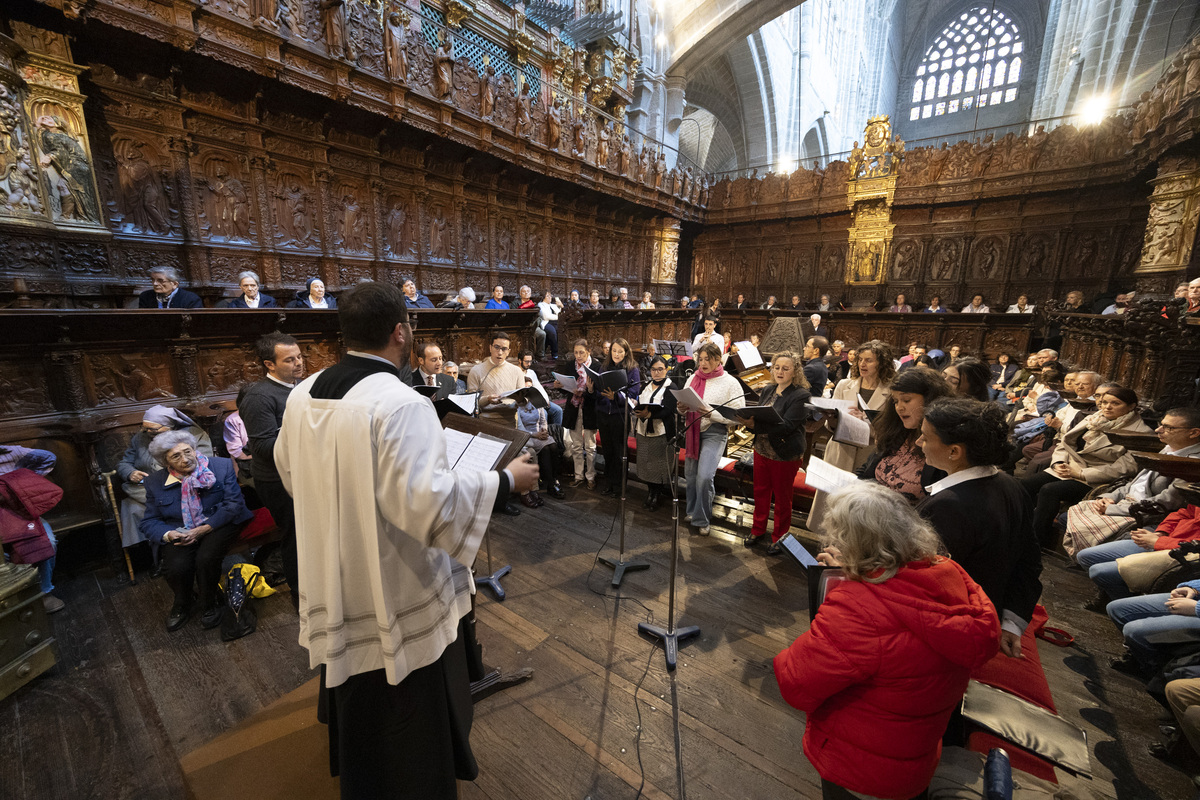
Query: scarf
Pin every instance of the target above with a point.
(200, 478)
(652, 427)
(167, 416)
(581, 383)
(692, 420)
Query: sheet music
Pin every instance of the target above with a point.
(482, 453)
(568, 382)
(852, 430)
(456, 443)
(749, 354)
(465, 401)
(688, 397)
(826, 477)
(725, 462)
(829, 404)
(672, 348)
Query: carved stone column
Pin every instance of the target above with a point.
(1171, 229)
(268, 259)
(325, 205)
(64, 370)
(181, 148)
(378, 211)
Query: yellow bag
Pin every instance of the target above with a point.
(261, 589)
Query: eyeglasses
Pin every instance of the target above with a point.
(180, 455)
(501, 348)
(1167, 427)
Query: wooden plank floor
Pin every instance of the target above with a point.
(601, 718)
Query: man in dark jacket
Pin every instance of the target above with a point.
(167, 292)
(412, 297)
(261, 406)
(814, 364)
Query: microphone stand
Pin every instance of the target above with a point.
(670, 635)
(621, 566)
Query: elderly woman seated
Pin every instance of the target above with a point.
(137, 464)
(195, 509)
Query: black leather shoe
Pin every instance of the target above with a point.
(652, 503)
(607, 491)
(158, 570)
(511, 510)
(776, 549)
(211, 618)
(753, 540)
(178, 616)
(557, 492)
(1098, 603)
(1128, 665)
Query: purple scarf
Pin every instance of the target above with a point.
(699, 379)
(200, 478)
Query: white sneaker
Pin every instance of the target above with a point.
(687, 517)
(703, 531)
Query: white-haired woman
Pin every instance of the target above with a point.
(889, 653)
(313, 296)
(195, 509)
(251, 297)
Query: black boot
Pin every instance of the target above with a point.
(656, 495)
(1098, 603)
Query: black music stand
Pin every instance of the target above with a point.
(670, 635)
(621, 566)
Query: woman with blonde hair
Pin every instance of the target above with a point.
(778, 448)
(869, 385)
(889, 654)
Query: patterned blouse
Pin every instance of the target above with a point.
(901, 471)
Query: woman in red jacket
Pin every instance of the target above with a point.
(887, 657)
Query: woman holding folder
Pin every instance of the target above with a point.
(778, 448)
(612, 410)
(705, 431)
(654, 431)
(869, 386)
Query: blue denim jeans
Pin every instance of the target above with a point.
(554, 414)
(1150, 630)
(1101, 565)
(46, 568)
(699, 475)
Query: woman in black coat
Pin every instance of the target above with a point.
(778, 448)
(984, 516)
(579, 416)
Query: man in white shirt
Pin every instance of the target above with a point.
(385, 533)
(709, 334)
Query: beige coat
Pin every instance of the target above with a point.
(1099, 460)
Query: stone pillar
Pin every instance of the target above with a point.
(1171, 229)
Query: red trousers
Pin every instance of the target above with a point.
(773, 479)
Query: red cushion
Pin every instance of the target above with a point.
(262, 523)
(1025, 678)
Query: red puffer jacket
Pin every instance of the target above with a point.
(880, 671)
(1179, 527)
(25, 496)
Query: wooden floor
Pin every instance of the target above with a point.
(601, 718)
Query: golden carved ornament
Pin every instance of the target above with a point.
(457, 11)
(522, 44)
(602, 88)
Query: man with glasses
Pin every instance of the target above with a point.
(167, 292)
(495, 376)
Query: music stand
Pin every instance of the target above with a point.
(516, 442)
(670, 635)
(621, 566)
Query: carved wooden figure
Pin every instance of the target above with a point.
(554, 125)
(605, 133)
(443, 72)
(65, 163)
(145, 203)
(524, 122)
(623, 156)
(333, 18)
(396, 45)
(487, 92)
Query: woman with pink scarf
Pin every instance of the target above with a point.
(195, 509)
(705, 432)
(579, 416)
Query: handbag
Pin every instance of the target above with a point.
(239, 618)
(1141, 570)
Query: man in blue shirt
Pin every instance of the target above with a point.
(497, 301)
(412, 297)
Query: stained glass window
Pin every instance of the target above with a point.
(977, 51)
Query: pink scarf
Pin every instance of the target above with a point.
(200, 478)
(581, 384)
(692, 420)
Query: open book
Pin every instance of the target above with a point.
(766, 414)
(826, 477)
(569, 382)
(748, 354)
(850, 429)
(615, 379)
(478, 453)
(457, 404)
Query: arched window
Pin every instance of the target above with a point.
(986, 43)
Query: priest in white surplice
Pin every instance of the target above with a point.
(385, 534)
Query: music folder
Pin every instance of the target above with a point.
(490, 432)
(457, 404)
(615, 379)
(766, 414)
(529, 393)
(426, 391)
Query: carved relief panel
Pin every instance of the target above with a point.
(294, 204)
(399, 227)
(945, 259)
(352, 219)
(119, 378)
(224, 200)
(987, 259)
(441, 231)
(474, 236)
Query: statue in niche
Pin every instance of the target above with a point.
(292, 212)
(987, 258)
(487, 92)
(937, 162)
(524, 122)
(686, 190)
(866, 263)
(19, 184)
(554, 124)
(945, 259)
(142, 192)
(643, 165)
(1033, 259)
(397, 229)
(982, 153)
(351, 227)
(660, 170)
(579, 137)
(65, 164)
(395, 45)
(504, 242)
(905, 264)
(287, 17)
(443, 71)
(604, 135)
(263, 13)
(231, 205)
(439, 246)
(623, 156)
(333, 18)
